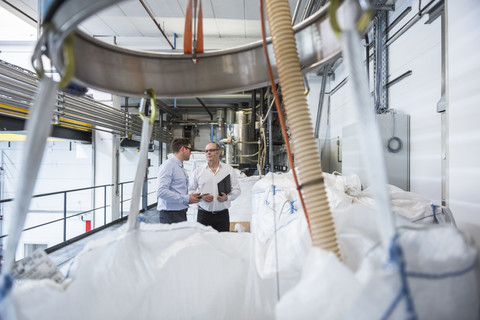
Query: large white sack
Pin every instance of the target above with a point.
(357, 233)
(280, 230)
(326, 290)
(410, 205)
(262, 189)
(441, 269)
(241, 208)
(344, 190)
(341, 189)
(179, 271)
(349, 184)
(441, 273)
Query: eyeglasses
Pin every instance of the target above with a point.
(189, 148)
(211, 150)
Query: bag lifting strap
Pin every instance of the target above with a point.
(193, 41)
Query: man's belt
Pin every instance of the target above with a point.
(180, 210)
(213, 212)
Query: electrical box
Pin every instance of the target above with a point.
(395, 135)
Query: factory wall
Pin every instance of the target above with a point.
(66, 165)
(18, 54)
(104, 166)
(419, 50)
(463, 97)
(128, 167)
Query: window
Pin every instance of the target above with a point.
(29, 248)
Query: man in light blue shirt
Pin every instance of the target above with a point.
(172, 181)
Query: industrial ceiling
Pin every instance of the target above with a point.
(158, 26)
(226, 23)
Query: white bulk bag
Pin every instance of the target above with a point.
(178, 271)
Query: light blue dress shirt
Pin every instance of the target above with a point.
(172, 182)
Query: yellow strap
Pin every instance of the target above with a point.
(69, 61)
(332, 14)
(364, 20)
(153, 106)
(361, 24)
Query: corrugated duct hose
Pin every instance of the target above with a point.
(307, 158)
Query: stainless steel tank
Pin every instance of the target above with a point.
(244, 139)
(221, 124)
(230, 118)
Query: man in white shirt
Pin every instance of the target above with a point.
(213, 207)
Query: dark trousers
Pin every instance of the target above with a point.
(173, 216)
(218, 220)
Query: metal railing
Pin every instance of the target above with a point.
(94, 209)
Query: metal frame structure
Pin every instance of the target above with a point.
(176, 75)
(17, 91)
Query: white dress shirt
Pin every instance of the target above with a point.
(205, 181)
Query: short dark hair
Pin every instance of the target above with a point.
(178, 143)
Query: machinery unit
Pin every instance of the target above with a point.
(241, 145)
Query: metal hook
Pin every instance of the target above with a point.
(306, 85)
(153, 106)
(39, 51)
(362, 22)
(68, 56)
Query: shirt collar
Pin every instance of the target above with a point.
(177, 161)
(219, 164)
